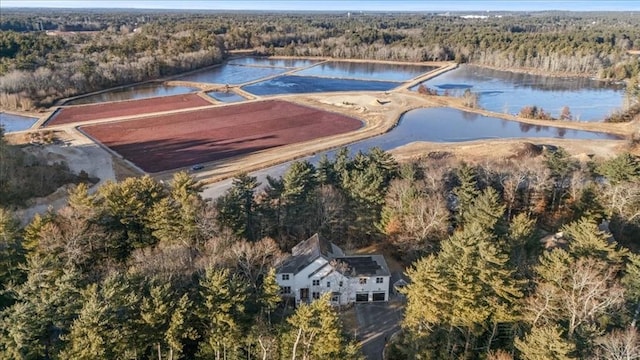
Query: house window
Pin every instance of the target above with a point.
(379, 280)
(315, 295)
(328, 283)
(285, 290)
(285, 276)
(340, 284)
(335, 298)
(363, 281)
(315, 283)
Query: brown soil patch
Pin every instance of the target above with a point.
(478, 151)
(166, 142)
(125, 108)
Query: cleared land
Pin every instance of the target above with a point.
(165, 142)
(125, 108)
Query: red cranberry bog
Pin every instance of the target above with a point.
(167, 142)
(125, 108)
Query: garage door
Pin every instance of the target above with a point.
(362, 297)
(378, 296)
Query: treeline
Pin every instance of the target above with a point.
(39, 69)
(136, 46)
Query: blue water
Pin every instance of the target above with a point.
(133, 92)
(228, 97)
(12, 123)
(261, 61)
(232, 74)
(366, 71)
(508, 92)
(442, 124)
(452, 125)
(290, 84)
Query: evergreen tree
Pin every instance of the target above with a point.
(236, 208)
(623, 168)
(12, 256)
(126, 206)
(45, 306)
(631, 283)
(156, 311)
(270, 294)
(325, 171)
(466, 192)
(545, 343)
(221, 313)
(468, 287)
(87, 339)
(586, 240)
(487, 211)
(180, 327)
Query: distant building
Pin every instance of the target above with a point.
(317, 266)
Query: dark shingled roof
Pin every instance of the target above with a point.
(307, 251)
(365, 265)
(314, 247)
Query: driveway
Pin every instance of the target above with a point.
(376, 323)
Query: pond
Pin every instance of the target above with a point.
(366, 71)
(291, 84)
(11, 122)
(508, 92)
(283, 63)
(452, 125)
(142, 91)
(232, 74)
(228, 97)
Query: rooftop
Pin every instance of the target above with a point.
(365, 265)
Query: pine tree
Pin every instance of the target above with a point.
(221, 312)
(325, 172)
(465, 290)
(236, 208)
(12, 256)
(180, 327)
(155, 312)
(586, 240)
(126, 205)
(270, 294)
(544, 343)
(487, 211)
(466, 192)
(45, 306)
(86, 340)
(623, 168)
(631, 283)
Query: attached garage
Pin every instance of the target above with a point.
(378, 296)
(362, 297)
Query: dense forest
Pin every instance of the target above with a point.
(143, 269)
(97, 49)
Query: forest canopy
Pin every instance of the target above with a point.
(61, 53)
(139, 268)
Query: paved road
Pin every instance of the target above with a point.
(376, 323)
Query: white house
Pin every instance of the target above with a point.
(317, 266)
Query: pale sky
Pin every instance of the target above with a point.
(337, 5)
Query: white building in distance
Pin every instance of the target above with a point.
(317, 266)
